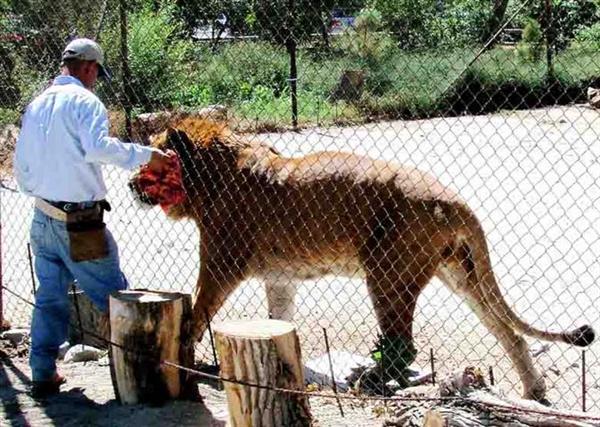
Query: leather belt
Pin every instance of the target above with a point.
(51, 211)
(69, 207)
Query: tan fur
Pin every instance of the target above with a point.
(285, 219)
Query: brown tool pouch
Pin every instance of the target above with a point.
(87, 234)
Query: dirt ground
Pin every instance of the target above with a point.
(531, 176)
(88, 400)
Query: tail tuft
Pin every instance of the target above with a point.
(582, 336)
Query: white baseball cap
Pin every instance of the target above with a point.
(87, 50)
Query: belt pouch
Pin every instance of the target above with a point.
(87, 235)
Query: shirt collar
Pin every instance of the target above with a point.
(67, 80)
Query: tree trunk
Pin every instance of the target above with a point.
(496, 18)
(264, 352)
(85, 316)
(157, 326)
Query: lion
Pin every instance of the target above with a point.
(285, 219)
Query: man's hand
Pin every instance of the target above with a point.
(158, 161)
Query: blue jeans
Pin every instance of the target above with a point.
(55, 271)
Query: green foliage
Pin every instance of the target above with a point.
(409, 20)
(9, 38)
(369, 49)
(239, 72)
(589, 37)
(568, 16)
(499, 67)
(196, 13)
(252, 77)
(365, 43)
(273, 21)
(576, 67)
(159, 57)
(430, 23)
(462, 23)
(8, 116)
(47, 26)
(531, 46)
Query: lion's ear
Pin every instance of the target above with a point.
(179, 141)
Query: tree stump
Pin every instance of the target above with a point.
(264, 352)
(92, 319)
(350, 87)
(157, 327)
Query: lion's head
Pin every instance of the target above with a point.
(197, 145)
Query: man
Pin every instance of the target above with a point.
(63, 141)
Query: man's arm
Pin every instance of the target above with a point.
(100, 148)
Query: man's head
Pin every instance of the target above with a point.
(84, 59)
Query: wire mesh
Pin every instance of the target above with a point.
(507, 130)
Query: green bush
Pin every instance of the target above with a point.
(8, 116)
(365, 43)
(409, 20)
(462, 23)
(241, 71)
(568, 16)
(531, 46)
(428, 23)
(159, 57)
(588, 37)
(28, 83)
(370, 49)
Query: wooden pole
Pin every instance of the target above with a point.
(126, 81)
(153, 326)
(267, 353)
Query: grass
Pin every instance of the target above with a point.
(251, 79)
(427, 84)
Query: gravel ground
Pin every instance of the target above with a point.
(531, 176)
(87, 399)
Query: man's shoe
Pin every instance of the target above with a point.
(41, 389)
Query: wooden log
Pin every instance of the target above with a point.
(480, 406)
(264, 352)
(84, 315)
(157, 326)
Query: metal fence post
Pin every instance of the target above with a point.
(550, 40)
(291, 46)
(1, 281)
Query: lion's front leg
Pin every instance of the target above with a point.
(281, 293)
(219, 277)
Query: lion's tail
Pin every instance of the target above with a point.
(488, 286)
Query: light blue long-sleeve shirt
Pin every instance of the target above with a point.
(64, 140)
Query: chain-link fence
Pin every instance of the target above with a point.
(490, 99)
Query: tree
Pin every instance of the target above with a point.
(197, 13)
(47, 26)
(9, 37)
(496, 18)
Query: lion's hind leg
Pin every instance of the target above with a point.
(458, 273)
